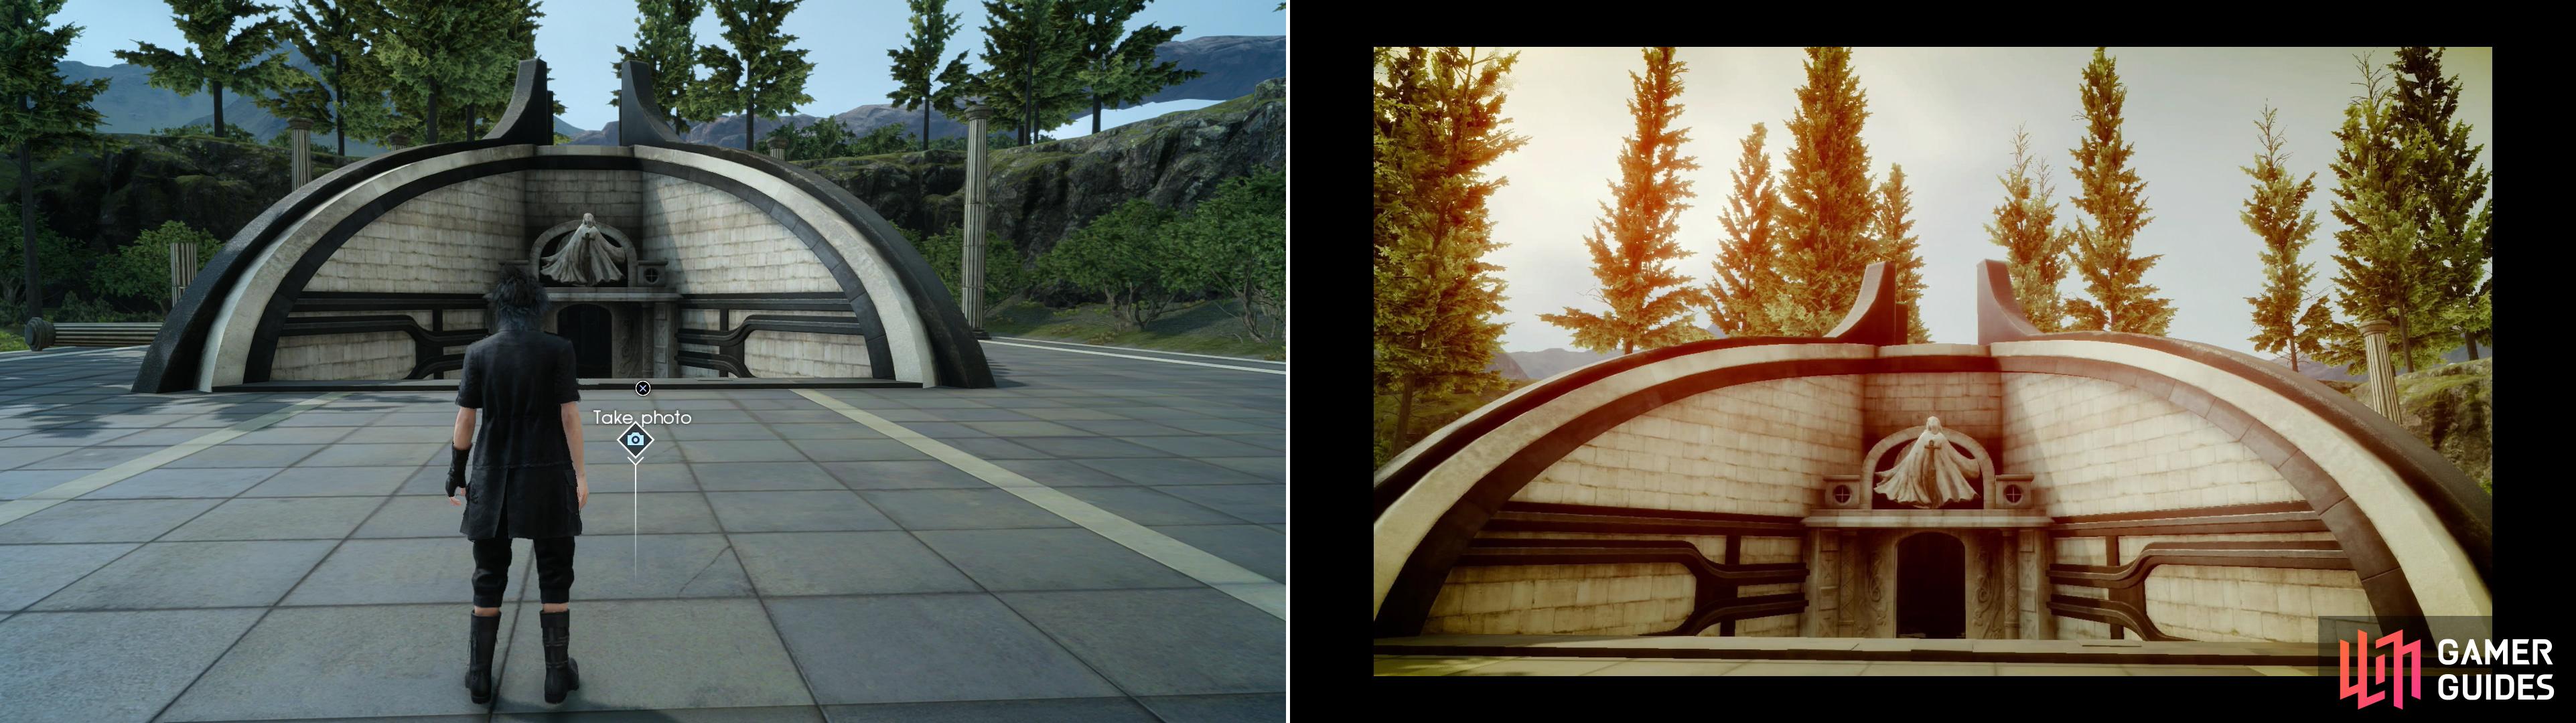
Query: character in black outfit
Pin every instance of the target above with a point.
(520, 472)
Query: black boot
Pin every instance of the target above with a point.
(562, 674)
(478, 658)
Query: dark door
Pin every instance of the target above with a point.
(586, 326)
(1931, 586)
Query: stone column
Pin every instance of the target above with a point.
(665, 336)
(2383, 371)
(303, 153)
(972, 276)
(778, 148)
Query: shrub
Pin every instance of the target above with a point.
(142, 268)
(1005, 279)
(1126, 255)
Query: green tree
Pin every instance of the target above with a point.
(444, 55)
(759, 72)
(1903, 250)
(2278, 215)
(1831, 202)
(1006, 278)
(2115, 199)
(1120, 67)
(43, 114)
(329, 35)
(1633, 241)
(1745, 277)
(1030, 64)
(921, 81)
(664, 42)
(142, 268)
(2452, 223)
(52, 251)
(1125, 255)
(1437, 123)
(2034, 249)
(1237, 242)
(2384, 271)
(217, 58)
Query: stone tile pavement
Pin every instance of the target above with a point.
(772, 560)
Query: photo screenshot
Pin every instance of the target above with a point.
(1984, 362)
(940, 345)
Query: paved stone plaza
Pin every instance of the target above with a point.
(1099, 538)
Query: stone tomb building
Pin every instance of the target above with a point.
(2126, 486)
(729, 263)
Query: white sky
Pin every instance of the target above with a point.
(1947, 115)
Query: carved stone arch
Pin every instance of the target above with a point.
(1869, 464)
(537, 250)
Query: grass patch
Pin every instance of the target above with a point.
(9, 341)
(1207, 327)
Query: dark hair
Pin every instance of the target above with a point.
(517, 301)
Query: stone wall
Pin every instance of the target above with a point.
(1621, 599)
(2102, 447)
(1760, 448)
(610, 197)
(449, 240)
(803, 354)
(373, 355)
(718, 244)
(1757, 550)
(1970, 402)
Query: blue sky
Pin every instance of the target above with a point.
(846, 40)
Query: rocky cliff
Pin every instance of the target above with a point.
(1040, 192)
(2451, 408)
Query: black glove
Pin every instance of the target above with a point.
(455, 470)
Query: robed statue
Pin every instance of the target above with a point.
(1932, 473)
(587, 256)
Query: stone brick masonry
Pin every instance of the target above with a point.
(2101, 447)
(1753, 448)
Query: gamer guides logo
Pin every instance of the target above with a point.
(2401, 669)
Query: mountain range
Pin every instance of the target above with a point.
(1233, 64)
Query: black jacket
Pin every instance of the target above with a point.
(519, 477)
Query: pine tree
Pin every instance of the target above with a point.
(1438, 122)
(2034, 249)
(1903, 250)
(2452, 223)
(1745, 277)
(46, 113)
(1030, 80)
(1830, 201)
(665, 42)
(1119, 67)
(921, 82)
(2115, 199)
(2278, 215)
(443, 56)
(217, 58)
(2385, 272)
(329, 35)
(759, 73)
(1634, 239)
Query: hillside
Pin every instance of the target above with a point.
(106, 199)
(1043, 191)
(2451, 408)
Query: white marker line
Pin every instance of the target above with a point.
(1232, 579)
(1150, 351)
(85, 484)
(24, 354)
(1281, 372)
